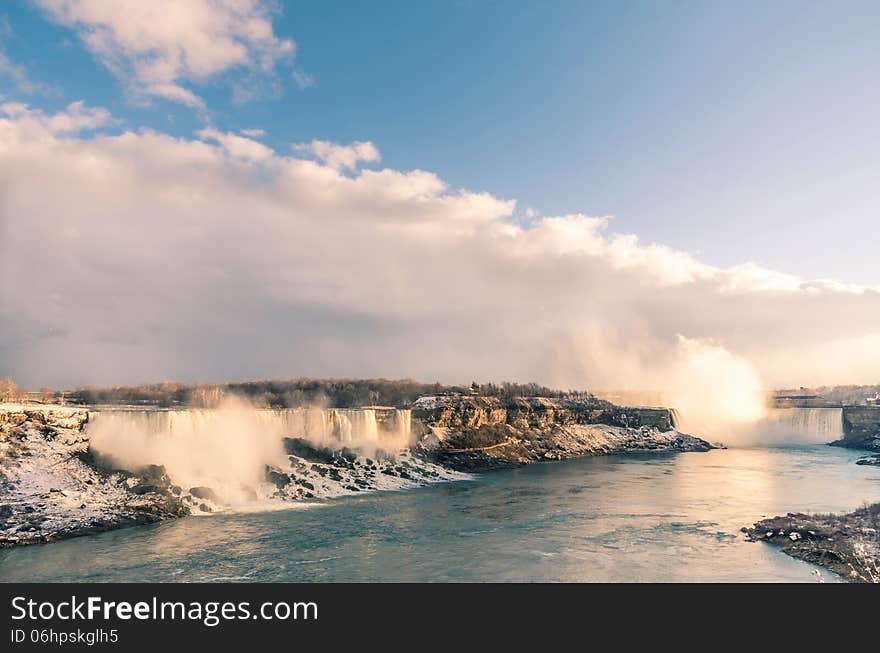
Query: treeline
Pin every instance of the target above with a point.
(848, 394)
(853, 395)
(295, 393)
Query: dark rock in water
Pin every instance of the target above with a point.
(202, 492)
(869, 460)
(204, 508)
(145, 488)
(154, 475)
(304, 449)
(280, 479)
(348, 454)
(5, 511)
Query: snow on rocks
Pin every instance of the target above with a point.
(50, 487)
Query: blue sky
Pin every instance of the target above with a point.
(743, 132)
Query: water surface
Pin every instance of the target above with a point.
(615, 518)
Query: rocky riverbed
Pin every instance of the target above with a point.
(847, 544)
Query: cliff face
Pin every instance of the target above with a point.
(861, 428)
(468, 432)
(468, 412)
(51, 488)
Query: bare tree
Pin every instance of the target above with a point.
(9, 391)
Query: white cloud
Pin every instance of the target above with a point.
(159, 47)
(149, 257)
(340, 156)
(75, 118)
(238, 146)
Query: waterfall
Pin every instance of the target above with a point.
(403, 422)
(818, 424)
(356, 424)
(230, 447)
(674, 418)
(321, 425)
(235, 456)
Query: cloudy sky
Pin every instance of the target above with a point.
(566, 192)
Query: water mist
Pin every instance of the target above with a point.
(228, 448)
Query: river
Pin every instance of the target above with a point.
(616, 518)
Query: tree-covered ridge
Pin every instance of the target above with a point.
(295, 393)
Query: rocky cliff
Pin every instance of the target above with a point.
(472, 433)
(861, 428)
(467, 412)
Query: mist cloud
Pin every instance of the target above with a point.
(137, 256)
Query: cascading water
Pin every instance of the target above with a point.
(321, 425)
(356, 424)
(813, 424)
(674, 418)
(403, 424)
(230, 449)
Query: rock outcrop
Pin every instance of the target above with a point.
(51, 487)
(861, 428)
(847, 544)
(474, 433)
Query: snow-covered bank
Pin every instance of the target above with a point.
(51, 488)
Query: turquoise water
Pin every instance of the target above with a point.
(614, 518)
